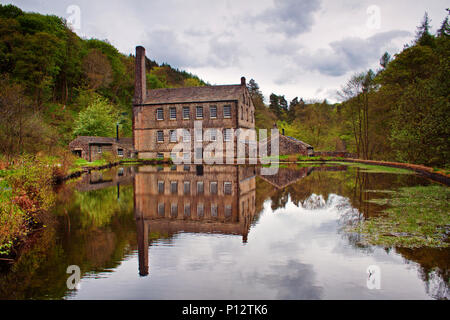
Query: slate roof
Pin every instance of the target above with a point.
(299, 141)
(125, 142)
(194, 94)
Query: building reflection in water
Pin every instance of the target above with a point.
(193, 199)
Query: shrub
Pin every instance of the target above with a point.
(109, 157)
(32, 182)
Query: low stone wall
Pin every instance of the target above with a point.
(426, 171)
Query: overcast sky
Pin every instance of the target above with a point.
(304, 48)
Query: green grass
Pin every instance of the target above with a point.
(376, 168)
(307, 158)
(80, 163)
(416, 217)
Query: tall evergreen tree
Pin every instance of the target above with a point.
(444, 30)
(423, 35)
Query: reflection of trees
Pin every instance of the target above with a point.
(434, 269)
(94, 235)
(97, 207)
(354, 184)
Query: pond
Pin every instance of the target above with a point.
(223, 232)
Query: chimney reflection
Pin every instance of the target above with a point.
(193, 199)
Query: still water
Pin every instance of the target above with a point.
(222, 232)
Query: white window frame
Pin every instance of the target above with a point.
(188, 113)
(162, 114)
(225, 184)
(170, 113)
(158, 136)
(210, 112)
(197, 112)
(229, 108)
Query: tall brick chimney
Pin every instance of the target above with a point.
(140, 87)
(243, 81)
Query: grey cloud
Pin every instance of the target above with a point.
(285, 48)
(348, 54)
(224, 53)
(166, 46)
(290, 17)
(294, 281)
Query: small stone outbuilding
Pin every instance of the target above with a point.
(93, 148)
(289, 145)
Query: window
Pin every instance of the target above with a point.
(213, 187)
(186, 113)
(173, 113)
(161, 209)
(159, 114)
(160, 187)
(200, 187)
(246, 110)
(187, 209)
(227, 188)
(227, 134)
(187, 159)
(187, 187)
(160, 156)
(174, 210)
(120, 152)
(228, 211)
(227, 111)
(200, 210)
(187, 167)
(160, 136)
(99, 149)
(173, 155)
(173, 135)
(174, 187)
(186, 135)
(213, 134)
(214, 210)
(199, 112)
(213, 112)
(242, 113)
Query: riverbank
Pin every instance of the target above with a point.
(439, 175)
(86, 167)
(26, 193)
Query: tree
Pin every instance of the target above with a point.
(97, 69)
(255, 93)
(357, 92)
(385, 59)
(423, 35)
(444, 30)
(38, 62)
(98, 119)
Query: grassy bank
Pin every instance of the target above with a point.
(415, 217)
(26, 191)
